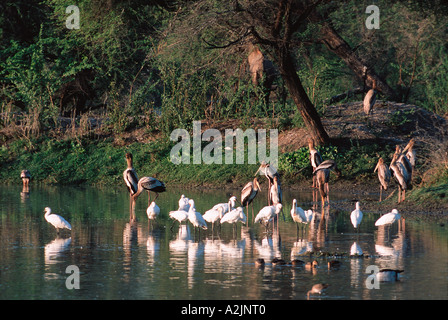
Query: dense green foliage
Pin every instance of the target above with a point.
(146, 64)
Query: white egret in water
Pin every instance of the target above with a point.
(388, 218)
(356, 216)
(152, 211)
(195, 217)
(56, 220)
(267, 214)
(298, 215)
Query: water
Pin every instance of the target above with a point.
(122, 260)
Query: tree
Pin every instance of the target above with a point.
(273, 25)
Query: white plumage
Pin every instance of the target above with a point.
(388, 218)
(356, 216)
(235, 216)
(297, 213)
(153, 211)
(228, 206)
(178, 215)
(268, 213)
(56, 220)
(213, 215)
(183, 203)
(195, 217)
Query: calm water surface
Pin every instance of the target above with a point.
(122, 260)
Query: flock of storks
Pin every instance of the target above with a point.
(401, 167)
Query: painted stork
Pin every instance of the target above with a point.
(130, 175)
(384, 176)
(370, 99)
(248, 194)
(56, 220)
(322, 173)
(149, 184)
(270, 172)
(25, 175)
(410, 152)
(315, 158)
(401, 175)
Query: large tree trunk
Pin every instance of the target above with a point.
(337, 45)
(309, 113)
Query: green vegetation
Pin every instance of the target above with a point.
(149, 66)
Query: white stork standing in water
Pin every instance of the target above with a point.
(130, 178)
(315, 158)
(298, 215)
(388, 218)
(370, 99)
(149, 184)
(178, 215)
(234, 216)
(384, 175)
(56, 220)
(248, 194)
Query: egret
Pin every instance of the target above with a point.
(152, 211)
(234, 216)
(183, 203)
(149, 184)
(248, 194)
(213, 215)
(317, 289)
(388, 218)
(370, 99)
(356, 216)
(226, 206)
(267, 214)
(384, 175)
(56, 220)
(298, 215)
(25, 175)
(178, 215)
(315, 158)
(195, 217)
(401, 175)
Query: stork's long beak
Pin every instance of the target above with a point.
(258, 185)
(377, 165)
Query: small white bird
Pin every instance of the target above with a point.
(228, 206)
(298, 214)
(56, 220)
(356, 216)
(309, 214)
(183, 203)
(153, 211)
(234, 216)
(195, 217)
(267, 214)
(388, 218)
(213, 215)
(178, 215)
